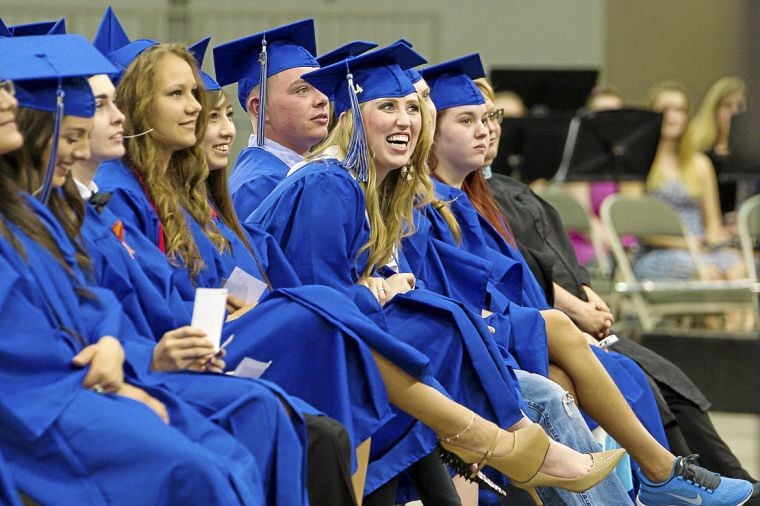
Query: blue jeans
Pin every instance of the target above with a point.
(555, 410)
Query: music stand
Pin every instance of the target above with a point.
(531, 148)
(618, 145)
(743, 162)
(544, 90)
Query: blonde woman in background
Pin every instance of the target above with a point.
(685, 178)
(511, 103)
(709, 132)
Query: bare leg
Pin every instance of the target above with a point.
(360, 476)
(561, 378)
(598, 395)
(739, 320)
(447, 418)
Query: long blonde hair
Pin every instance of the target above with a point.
(390, 206)
(183, 182)
(686, 152)
(703, 130)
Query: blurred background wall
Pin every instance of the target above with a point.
(506, 32)
(692, 41)
(634, 43)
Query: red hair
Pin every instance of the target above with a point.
(477, 190)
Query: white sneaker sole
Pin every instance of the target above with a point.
(640, 503)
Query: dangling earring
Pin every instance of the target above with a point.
(407, 172)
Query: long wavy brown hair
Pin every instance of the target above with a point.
(26, 168)
(15, 210)
(181, 184)
(390, 206)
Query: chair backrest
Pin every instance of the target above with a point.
(749, 232)
(641, 217)
(574, 217)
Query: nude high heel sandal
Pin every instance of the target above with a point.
(522, 464)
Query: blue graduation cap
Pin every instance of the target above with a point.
(354, 48)
(451, 82)
(4, 30)
(110, 34)
(362, 78)
(199, 51)
(250, 60)
(41, 94)
(50, 57)
(113, 42)
(39, 28)
(376, 74)
(412, 74)
(46, 67)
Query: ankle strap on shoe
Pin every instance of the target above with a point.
(487, 455)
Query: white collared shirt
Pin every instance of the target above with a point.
(286, 155)
(330, 152)
(86, 191)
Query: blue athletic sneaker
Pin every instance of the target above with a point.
(691, 485)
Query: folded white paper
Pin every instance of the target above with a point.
(250, 368)
(209, 311)
(244, 286)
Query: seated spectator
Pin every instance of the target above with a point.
(685, 178)
(709, 131)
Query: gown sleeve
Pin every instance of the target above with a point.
(37, 380)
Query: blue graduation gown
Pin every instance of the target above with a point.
(310, 329)
(317, 215)
(428, 258)
(8, 493)
(248, 409)
(68, 445)
(454, 272)
(481, 238)
(254, 176)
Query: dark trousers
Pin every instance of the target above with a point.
(431, 479)
(694, 429)
(433, 482)
(328, 474)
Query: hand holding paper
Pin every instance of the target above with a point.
(181, 349)
(209, 312)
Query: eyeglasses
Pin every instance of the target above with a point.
(7, 86)
(494, 117)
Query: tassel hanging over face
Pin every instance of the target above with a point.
(357, 155)
(47, 184)
(261, 121)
